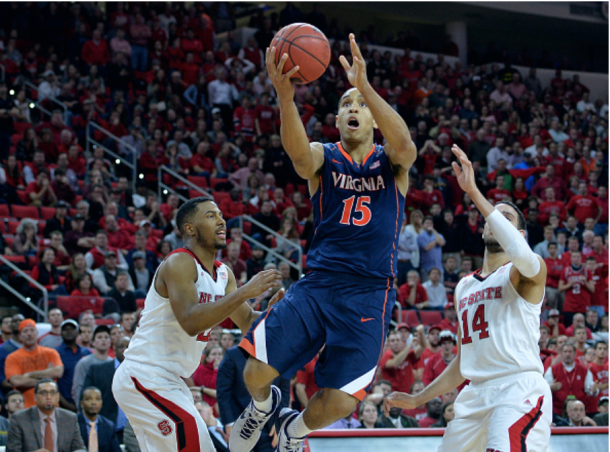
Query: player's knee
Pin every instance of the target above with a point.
(339, 403)
(258, 374)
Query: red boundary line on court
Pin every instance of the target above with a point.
(390, 432)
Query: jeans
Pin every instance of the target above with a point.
(139, 58)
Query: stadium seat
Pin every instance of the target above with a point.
(201, 182)
(9, 241)
(2, 227)
(21, 127)
(220, 196)
(140, 303)
(429, 318)
(410, 317)
(4, 211)
(20, 212)
(214, 181)
(23, 197)
(46, 213)
(12, 227)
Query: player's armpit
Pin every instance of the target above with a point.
(530, 289)
(403, 157)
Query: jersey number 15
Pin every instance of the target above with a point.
(361, 208)
(478, 324)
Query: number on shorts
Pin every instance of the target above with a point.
(478, 324)
(361, 208)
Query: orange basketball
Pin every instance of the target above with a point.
(307, 47)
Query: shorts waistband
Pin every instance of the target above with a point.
(501, 380)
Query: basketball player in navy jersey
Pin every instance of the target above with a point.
(358, 192)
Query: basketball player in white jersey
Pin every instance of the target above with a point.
(508, 405)
(190, 294)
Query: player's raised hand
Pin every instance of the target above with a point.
(261, 282)
(463, 170)
(356, 73)
(400, 400)
(281, 82)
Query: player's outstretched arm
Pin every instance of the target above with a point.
(529, 270)
(307, 158)
(179, 274)
(400, 147)
(448, 380)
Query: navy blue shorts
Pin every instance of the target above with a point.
(347, 313)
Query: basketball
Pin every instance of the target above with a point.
(307, 47)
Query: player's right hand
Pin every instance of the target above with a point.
(463, 170)
(281, 82)
(400, 400)
(261, 282)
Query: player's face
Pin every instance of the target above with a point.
(491, 244)
(209, 227)
(354, 121)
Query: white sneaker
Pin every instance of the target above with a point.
(247, 428)
(286, 443)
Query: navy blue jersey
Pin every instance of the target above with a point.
(358, 212)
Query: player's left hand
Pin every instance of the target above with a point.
(464, 173)
(400, 400)
(356, 73)
(279, 295)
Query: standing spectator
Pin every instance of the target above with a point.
(101, 344)
(437, 296)
(140, 34)
(577, 284)
(599, 369)
(120, 44)
(471, 234)
(398, 362)
(100, 375)
(407, 245)
(569, 377)
(70, 354)
(305, 386)
(551, 206)
(98, 432)
(95, 51)
(105, 276)
(438, 363)
(53, 339)
(44, 427)
(32, 363)
(583, 205)
(541, 249)
(221, 95)
(430, 247)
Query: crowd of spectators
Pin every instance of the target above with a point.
(161, 78)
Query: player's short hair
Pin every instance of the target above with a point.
(188, 209)
(521, 223)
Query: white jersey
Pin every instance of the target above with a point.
(160, 340)
(500, 330)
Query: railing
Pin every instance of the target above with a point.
(56, 101)
(298, 266)
(91, 142)
(164, 189)
(45, 294)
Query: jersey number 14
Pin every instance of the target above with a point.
(478, 324)
(361, 209)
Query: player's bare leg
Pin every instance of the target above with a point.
(258, 377)
(328, 406)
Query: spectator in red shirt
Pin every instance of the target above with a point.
(412, 293)
(554, 266)
(237, 265)
(578, 285)
(265, 116)
(450, 321)
(244, 119)
(40, 192)
(599, 369)
(420, 412)
(554, 325)
(551, 205)
(46, 273)
(578, 322)
(499, 193)
(306, 386)
(170, 207)
(118, 238)
(434, 411)
(599, 297)
(193, 45)
(584, 205)
(600, 254)
(95, 51)
(206, 374)
(397, 363)
(438, 363)
(602, 222)
(549, 179)
(430, 195)
(201, 164)
(190, 70)
(245, 250)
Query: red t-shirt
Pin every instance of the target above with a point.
(600, 375)
(266, 116)
(402, 376)
(560, 326)
(498, 195)
(599, 297)
(202, 162)
(546, 208)
(420, 294)
(426, 356)
(584, 207)
(554, 271)
(427, 422)
(577, 297)
(416, 413)
(244, 123)
(305, 376)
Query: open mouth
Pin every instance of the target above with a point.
(221, 234)
(353, 124)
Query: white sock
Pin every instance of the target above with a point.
(297, 428)
(266, 405)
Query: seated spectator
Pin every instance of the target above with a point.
(437, 296)
(150, 258)
(105, 276)
(555, 267)
(237, 265)
(576, 415)
(433, 413)
(268, 219)
(40, 192)
(26, 243)
(118, 238)
(346, 422)
(47, 275)
(256, 262)
(84, 287)
(60, 222)
(125, 298)
(97, 431)
(285, 270)
(541, 249)
(207, 373)
(96, 256)
(77, 240)
(412, 294)
(140, 274)
(438, 363)
(555, 326)
(398, 362)
(62, 258)
(101, 344)
(367, 415)
(601, 418)
(13, 402)
(578, 321)
(244, 248)
(447, 415)
(450, 322)
(128, 321)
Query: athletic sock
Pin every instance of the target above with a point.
(297, 428)
(266, 405)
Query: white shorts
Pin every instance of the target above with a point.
(511, 414)
(160, 409)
